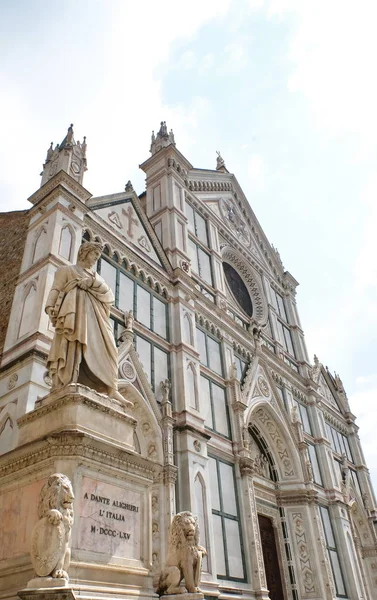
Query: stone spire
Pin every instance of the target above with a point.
(162, 139)
(69, 156)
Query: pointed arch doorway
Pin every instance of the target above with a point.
(270, 558)
(266, 472)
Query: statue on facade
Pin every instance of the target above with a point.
(129, 320)
(184, 560)
(346, 476)
(50, 553)
(220, 162)
(83, 348)
(295, 417)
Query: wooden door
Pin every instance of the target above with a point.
(270, 557)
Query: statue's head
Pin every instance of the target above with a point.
(184, 529)
(89, 252)
(56, 494)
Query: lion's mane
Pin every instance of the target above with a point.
(51, 496)
(177, 537)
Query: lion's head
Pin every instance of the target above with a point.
(56, 494)
(184, 530)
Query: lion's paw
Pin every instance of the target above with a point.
(60, 574)
(54, 516)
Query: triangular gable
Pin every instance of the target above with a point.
(125, 216)
(225, 208)
(226, 199)
(131, 371)
(325, 390)
(259, 384)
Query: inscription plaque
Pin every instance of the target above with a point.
(109, 519)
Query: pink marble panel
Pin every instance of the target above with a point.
(18, 515)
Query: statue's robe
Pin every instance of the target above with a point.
(83, 349)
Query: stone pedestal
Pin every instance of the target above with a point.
(48, 593)
(89, 438)
(185, 596)
(47, 582)
(78, 408)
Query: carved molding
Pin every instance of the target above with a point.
(285, 462)
(251, 281)
(307, 573)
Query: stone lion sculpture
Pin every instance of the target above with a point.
(50, 553)
(184, 559)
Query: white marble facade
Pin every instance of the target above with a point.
(244, 431)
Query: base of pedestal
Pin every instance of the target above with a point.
(47, 582)
(184, 596)
(47, 590)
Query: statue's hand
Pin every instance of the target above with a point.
(54, 516)
(85, 284)
(51, 313)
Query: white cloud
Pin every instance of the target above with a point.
(333, 54)
(363, 404)
(115, 100)
(234, 58)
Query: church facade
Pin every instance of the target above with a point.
(231, 420)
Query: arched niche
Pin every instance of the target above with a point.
(7, 431)
(278, 438)
(148, 430)
(201, 511)
(28, 306)
(188, 330)
(40, 244)
(66, 242)
(192, 384)
(8, 427)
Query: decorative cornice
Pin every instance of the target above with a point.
(75, 394)
(74, 443)
(66, 182)
(296, 497)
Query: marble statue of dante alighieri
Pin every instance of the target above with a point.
(83, 348)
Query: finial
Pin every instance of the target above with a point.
(162, 139)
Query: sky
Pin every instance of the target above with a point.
(284, 89)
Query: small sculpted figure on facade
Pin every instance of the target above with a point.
(184, 560)
(129, 320)
(233, 375)
(220, 162)
(165, 389)
(346, 477)
(295, 415)
(366, 503)
(83, 348)
(50, 553)
(309, 470)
